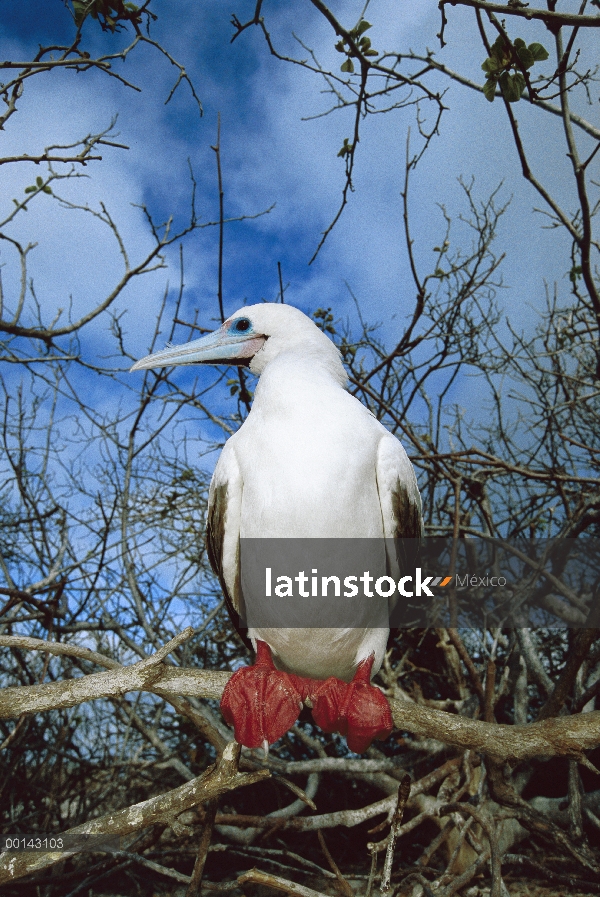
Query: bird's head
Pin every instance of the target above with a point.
(254, 336)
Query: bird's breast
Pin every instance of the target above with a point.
(310, 473)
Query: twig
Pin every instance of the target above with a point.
(344, 886)
(490, 684)
(195, 884)
(217, 150)
(372, 872)
(256, 877)
(403, 795)
(456, 640)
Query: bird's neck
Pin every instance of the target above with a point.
(301, 376)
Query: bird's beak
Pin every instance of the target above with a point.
(214, 348)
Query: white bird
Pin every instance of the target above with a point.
(309, 462)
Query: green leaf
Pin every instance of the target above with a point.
(512, 86)
(491, 65)
(346, 148)
(526, 56)
(363, 26)
(538, 51)
(80, 11)
(365, 43)
(489, 89)
(347, 66)
(501, 51)
(575, 272)
(519, 42)
(32, 189)
(46, 189)
(340, 46)
(520, 83)
(499, 47)
(371, 53)
(39, 181)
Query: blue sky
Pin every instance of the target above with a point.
(270, 156)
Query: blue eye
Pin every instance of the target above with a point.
(242, 325)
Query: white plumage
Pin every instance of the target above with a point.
(310, 461)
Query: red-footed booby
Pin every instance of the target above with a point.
(310, 461)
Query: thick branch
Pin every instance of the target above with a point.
(552, 20)
(218, 779)
(553, 737)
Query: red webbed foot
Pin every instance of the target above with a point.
(357, 710)
(261, 702)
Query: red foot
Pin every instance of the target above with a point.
(358, 710)
(260, 702)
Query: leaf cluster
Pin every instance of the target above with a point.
(109, 13)
(37, 187)
(323, 318)
(361, 41)
(505, 67)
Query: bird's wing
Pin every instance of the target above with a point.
(400, 503)
(399, 495)
(223, 533)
